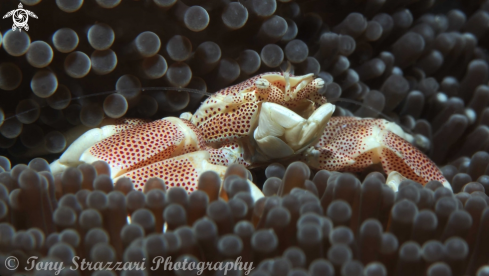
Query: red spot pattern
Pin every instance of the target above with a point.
(131, 121)
(139, 146)
(418, 163)
(391, 162)
(308, 92)
(273, 94)
(220, 156)
(343, 141)
(225, 121)
(125, 123)
(189, 148)
(231, 124)
(175, 173)
(362, 161)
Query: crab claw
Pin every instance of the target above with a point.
(82, 138)
(352, 144)
(171, 148)
(182, 171)
(283, 133)
(144, 144)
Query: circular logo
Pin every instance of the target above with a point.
(20, 17)
(11, 263)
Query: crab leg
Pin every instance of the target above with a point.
(182, 171)
(352, 144)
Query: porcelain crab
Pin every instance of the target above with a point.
(268, 117)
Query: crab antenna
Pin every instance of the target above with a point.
(191, 90)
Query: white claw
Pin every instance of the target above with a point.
(310, 132)
(394, 179)
(282, 132)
